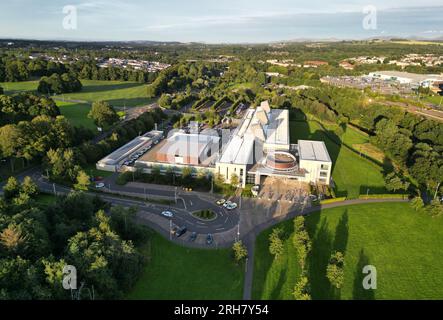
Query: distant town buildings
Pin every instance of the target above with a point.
(149, 66)
(314, 64)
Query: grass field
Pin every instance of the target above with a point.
(352, 174)
(116, 93)
(77, 114)
(404, 246)
(176, 272)
(13, 87)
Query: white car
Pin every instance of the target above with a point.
(100, 185)
(167, 214)
(232, 206)
(227, 203)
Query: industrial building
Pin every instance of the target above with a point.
(412, 79)
(259, 147)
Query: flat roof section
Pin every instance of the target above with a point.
(133, 145)
(187, 144)
(313, 151)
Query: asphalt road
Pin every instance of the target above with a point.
(186, 203)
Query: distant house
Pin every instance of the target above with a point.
(347, 65)
(314, 64)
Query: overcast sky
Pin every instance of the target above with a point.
(218, 20)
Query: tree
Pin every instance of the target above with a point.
(59, 84)
(103, 259)
(62, 164)
(11, 188)
(240, 251)
(165, 101)
(1, 90)
(83, 181)
(29, 187)
(302, 289)
(9, 146)
(435, 209)
(334, 270)
(235, 180)
(394, 182)
(417, 203)
(276, 243)
(301, 240)
(12, 238)
(103, 114)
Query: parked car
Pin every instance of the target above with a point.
(221, 202)
(167, 214)
(227, 203)
(100, 185)
(313, 197)
(232, 206)
(181, 231)
(193, 236)
(209, 239)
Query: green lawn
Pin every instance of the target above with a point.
(352, 174)
(13, 87)
(117, 93)
(46, 199)
(404, 246)
(176, 272)
(438, 100)
(77, 114)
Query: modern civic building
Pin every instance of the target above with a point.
(259, 147)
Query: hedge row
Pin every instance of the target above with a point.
(383, 196)
(333, 200)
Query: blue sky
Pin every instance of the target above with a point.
(219, 21)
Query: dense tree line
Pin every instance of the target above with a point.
(14, 69)
(90, 71)
(186, 76)
(37, 242)
(58, 84)
(21, 107)
(414, 142)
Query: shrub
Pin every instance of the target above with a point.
(276, 243)
(240, 251)
(334, 270)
